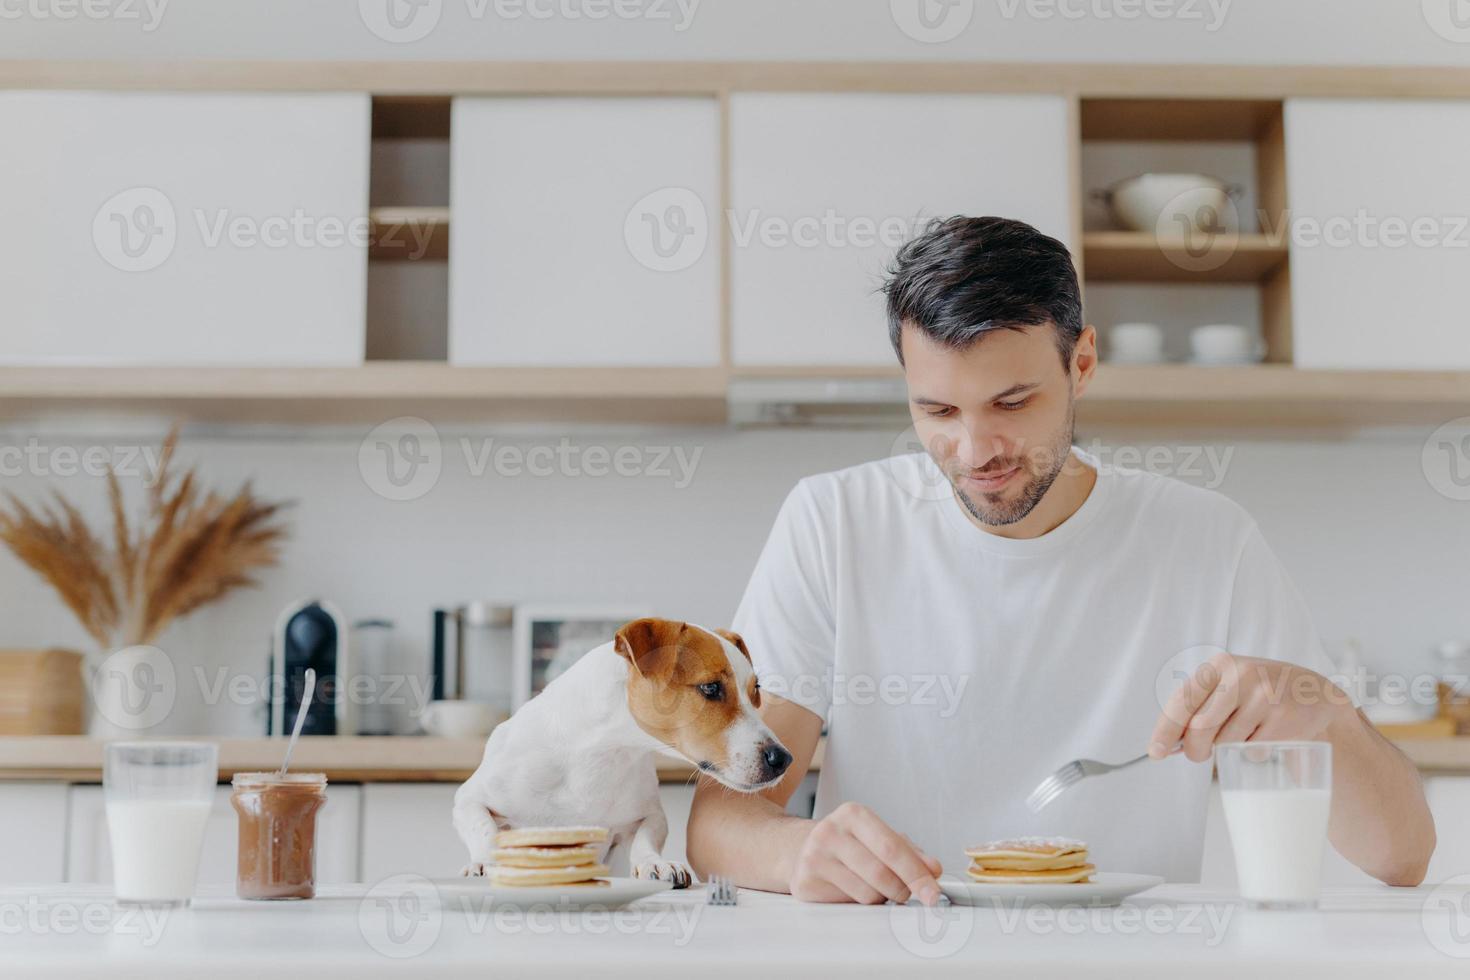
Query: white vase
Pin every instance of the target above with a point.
(133, 691)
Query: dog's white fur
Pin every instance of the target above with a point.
(575, 756)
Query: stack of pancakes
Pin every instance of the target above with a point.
(1030, 860)
(531, 856)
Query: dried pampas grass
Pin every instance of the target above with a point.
(192, 548)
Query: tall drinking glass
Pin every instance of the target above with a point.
(158, 800)
(1277, 797)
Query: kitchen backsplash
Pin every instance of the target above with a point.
(672, 520)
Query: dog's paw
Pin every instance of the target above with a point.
(474, 870)
(671, 871)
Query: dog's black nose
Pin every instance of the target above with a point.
(776, 758)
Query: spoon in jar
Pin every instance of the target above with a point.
(300, 717)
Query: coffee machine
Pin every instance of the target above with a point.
(310, 633)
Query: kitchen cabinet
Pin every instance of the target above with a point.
(826, 186)
(583, 232)
(89, 852)
(407, 828)
(32, 833)
(183, 228)
(1380, 248)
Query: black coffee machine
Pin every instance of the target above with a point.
(311, 633)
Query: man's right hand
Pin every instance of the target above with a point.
(853, 856)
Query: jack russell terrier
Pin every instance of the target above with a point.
(584, 750)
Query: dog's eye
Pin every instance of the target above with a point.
(712, 690)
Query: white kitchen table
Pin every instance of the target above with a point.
(399, 928)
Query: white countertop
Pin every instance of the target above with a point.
(1173, 931)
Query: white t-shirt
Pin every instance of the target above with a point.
(956, 669)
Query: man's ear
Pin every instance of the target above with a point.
(736, 639)
(650, 645)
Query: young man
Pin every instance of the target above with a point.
(966, 620)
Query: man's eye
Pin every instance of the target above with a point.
(712, 690)
(939, 413)
(1015, 406)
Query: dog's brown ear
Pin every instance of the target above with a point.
(736, 639)
(650, 645)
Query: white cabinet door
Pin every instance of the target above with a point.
(583, 232)
(32, 833)
(1449, 801)
(183, 228)
(826, 186)
(1380, 249)
(407, 829)
(89, 851)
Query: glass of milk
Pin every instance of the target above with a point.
(1277, 798)
(159, 796)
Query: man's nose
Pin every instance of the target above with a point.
(979, 445)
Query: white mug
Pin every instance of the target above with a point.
(1136, 343)
(1226, 343)
(460, 719)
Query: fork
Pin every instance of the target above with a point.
(1073, 773)
(720, 890)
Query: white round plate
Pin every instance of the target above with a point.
(617, 893)
(1106, 888)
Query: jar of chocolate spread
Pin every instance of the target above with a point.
(277, 833)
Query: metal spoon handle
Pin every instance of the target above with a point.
(300, 716)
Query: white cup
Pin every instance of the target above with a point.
(460, 719)
(159, 796)
(1226, 343)
(1136, 343)
(1277, 798)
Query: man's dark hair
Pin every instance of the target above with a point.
(965, 277)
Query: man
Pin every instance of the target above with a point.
(961, 644)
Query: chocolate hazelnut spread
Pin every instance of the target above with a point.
(277, 833)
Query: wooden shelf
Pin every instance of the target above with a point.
(372, 392)
(350, 758)
(420, 77)
(1135, 256)
(1271, 395)
(1171, 395)
(409, 234)
(1175, 119)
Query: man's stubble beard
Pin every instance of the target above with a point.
(1017, 510)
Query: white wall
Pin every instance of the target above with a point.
(1218, 31)
(1378, 553)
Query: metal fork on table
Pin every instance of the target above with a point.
(1073, 773)
(720, 890)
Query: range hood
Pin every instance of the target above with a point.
(807, 401)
